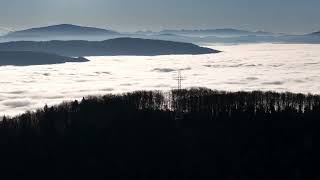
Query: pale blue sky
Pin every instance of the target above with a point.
(291, 16)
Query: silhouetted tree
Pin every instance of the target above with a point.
(235, 135)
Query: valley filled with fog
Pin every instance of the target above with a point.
(246, 67)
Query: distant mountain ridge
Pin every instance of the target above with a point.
(316, 33)
(61, 30)
(69, 32)
(224, 31)
(112, 47)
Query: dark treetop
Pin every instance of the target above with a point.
(242, 135)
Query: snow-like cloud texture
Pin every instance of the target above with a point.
(239, 67)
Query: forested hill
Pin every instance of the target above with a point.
(24, 58)
(112, 47)
(256, 135)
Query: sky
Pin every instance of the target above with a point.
(287, 16)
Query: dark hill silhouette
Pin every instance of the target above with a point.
(62, 30)
(23, 58)
(119, 46)
(316, 33)
(312, 38)
(240, 135)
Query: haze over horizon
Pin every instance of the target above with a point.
(286, 16)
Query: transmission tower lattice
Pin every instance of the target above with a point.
(179, 79)
(179, 109)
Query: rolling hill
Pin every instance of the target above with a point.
(24, 58)
(112, 47)
(59, 32)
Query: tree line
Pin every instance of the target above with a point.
(233, 135)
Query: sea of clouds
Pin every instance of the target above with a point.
(276, 67)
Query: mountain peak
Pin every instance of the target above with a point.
(62, 26)
(66, 26)
(61, 30)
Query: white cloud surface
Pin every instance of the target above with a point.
(240, 67)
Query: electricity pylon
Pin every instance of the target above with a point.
(179, 109)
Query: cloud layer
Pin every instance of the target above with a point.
(239, 67)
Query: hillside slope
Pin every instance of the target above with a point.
(119, 46)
